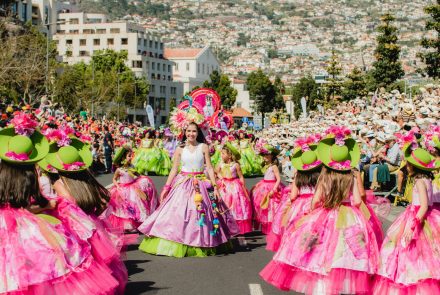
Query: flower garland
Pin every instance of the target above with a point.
(198, 200)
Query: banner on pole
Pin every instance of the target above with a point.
(150, 115)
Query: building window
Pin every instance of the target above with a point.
(151, 44)
(198, 68)
(162, 103)
(156, 45)
(137, 64)
(169, 68)
(158, 77)
(115, 31)
(110, 41)
(153, 76)
(163, 67)
(153, 88)
(187, 66)
(69, 53)
(203, 68)
(82, 42)
(101, 31)
(238, 104)
(61, 31)
(139, 41)
(161, 46)
(96, 42)
(145, 43)
(88, 31)
(83, 53)
(176, 66)
(69, 42)
(173, 90)
(169, 78)
(153, 65)
(73, 21)
(74, 31)
(124, 41)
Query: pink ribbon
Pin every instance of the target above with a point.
(340, 165)
(426, 165)
(17, 157)
(312, 165)
(73, 166)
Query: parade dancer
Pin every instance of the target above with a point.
(410, 254)
(298, 202)
(191, 220)
(233, 190)
(142, 160)
(267, 194)
(39, 255)
(333, 249)
(132, 200)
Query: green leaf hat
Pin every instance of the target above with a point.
(74, 157)
(304, 156)
(421, 159)
(22, 143)
(233, 150)
(339, 151)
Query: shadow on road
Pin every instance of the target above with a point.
(142, 287)
(133, 266)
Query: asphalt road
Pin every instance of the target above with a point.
(233, 274)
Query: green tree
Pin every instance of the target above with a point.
(334, 82)
(222, 84)
(387, 68)
(355, 85)
(431, 56)
(280, 90)
(308, 88)
(262, 91)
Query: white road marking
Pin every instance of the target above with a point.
(255, 289)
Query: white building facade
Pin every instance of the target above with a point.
(243, 99)
(85, 33)
(192, 66)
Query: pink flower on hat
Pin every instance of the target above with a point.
(24, 124)
(339, 133)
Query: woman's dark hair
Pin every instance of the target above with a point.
(419, 173)
(18, 184)
(89, 194)
(200, 137)
(307, 178)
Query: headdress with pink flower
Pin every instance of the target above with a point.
(21, 143)
(304, 156)
(407, 139)
(181, 118)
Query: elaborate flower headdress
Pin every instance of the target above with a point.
(181, 118)
(262, 147)
(62, 135)
(305, 142)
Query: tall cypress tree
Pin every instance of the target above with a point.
(387, 68)
(334, 83)
(431, 55)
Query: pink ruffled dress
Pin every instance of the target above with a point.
(287, 214)
(328, 251)
(105, 245)
(235, 196)
(132, 201)
(412, 268)
(377, 206)
(41, 257)
(436, 191)
(265, 216)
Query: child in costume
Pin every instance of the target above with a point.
(431, 141)
(333, 249)
(410, 253)
(298, 202)
(161, 162)
(71, 158)
(267, 193)
(232, 189)
(38, 254)
(248, 158)
(142, 160)
(190, 220)
(132, 198)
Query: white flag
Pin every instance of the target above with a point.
(150, 114)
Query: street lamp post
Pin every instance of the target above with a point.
(47, 52)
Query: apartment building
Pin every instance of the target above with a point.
(82, 34)
(19, 9)
(192, 66)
